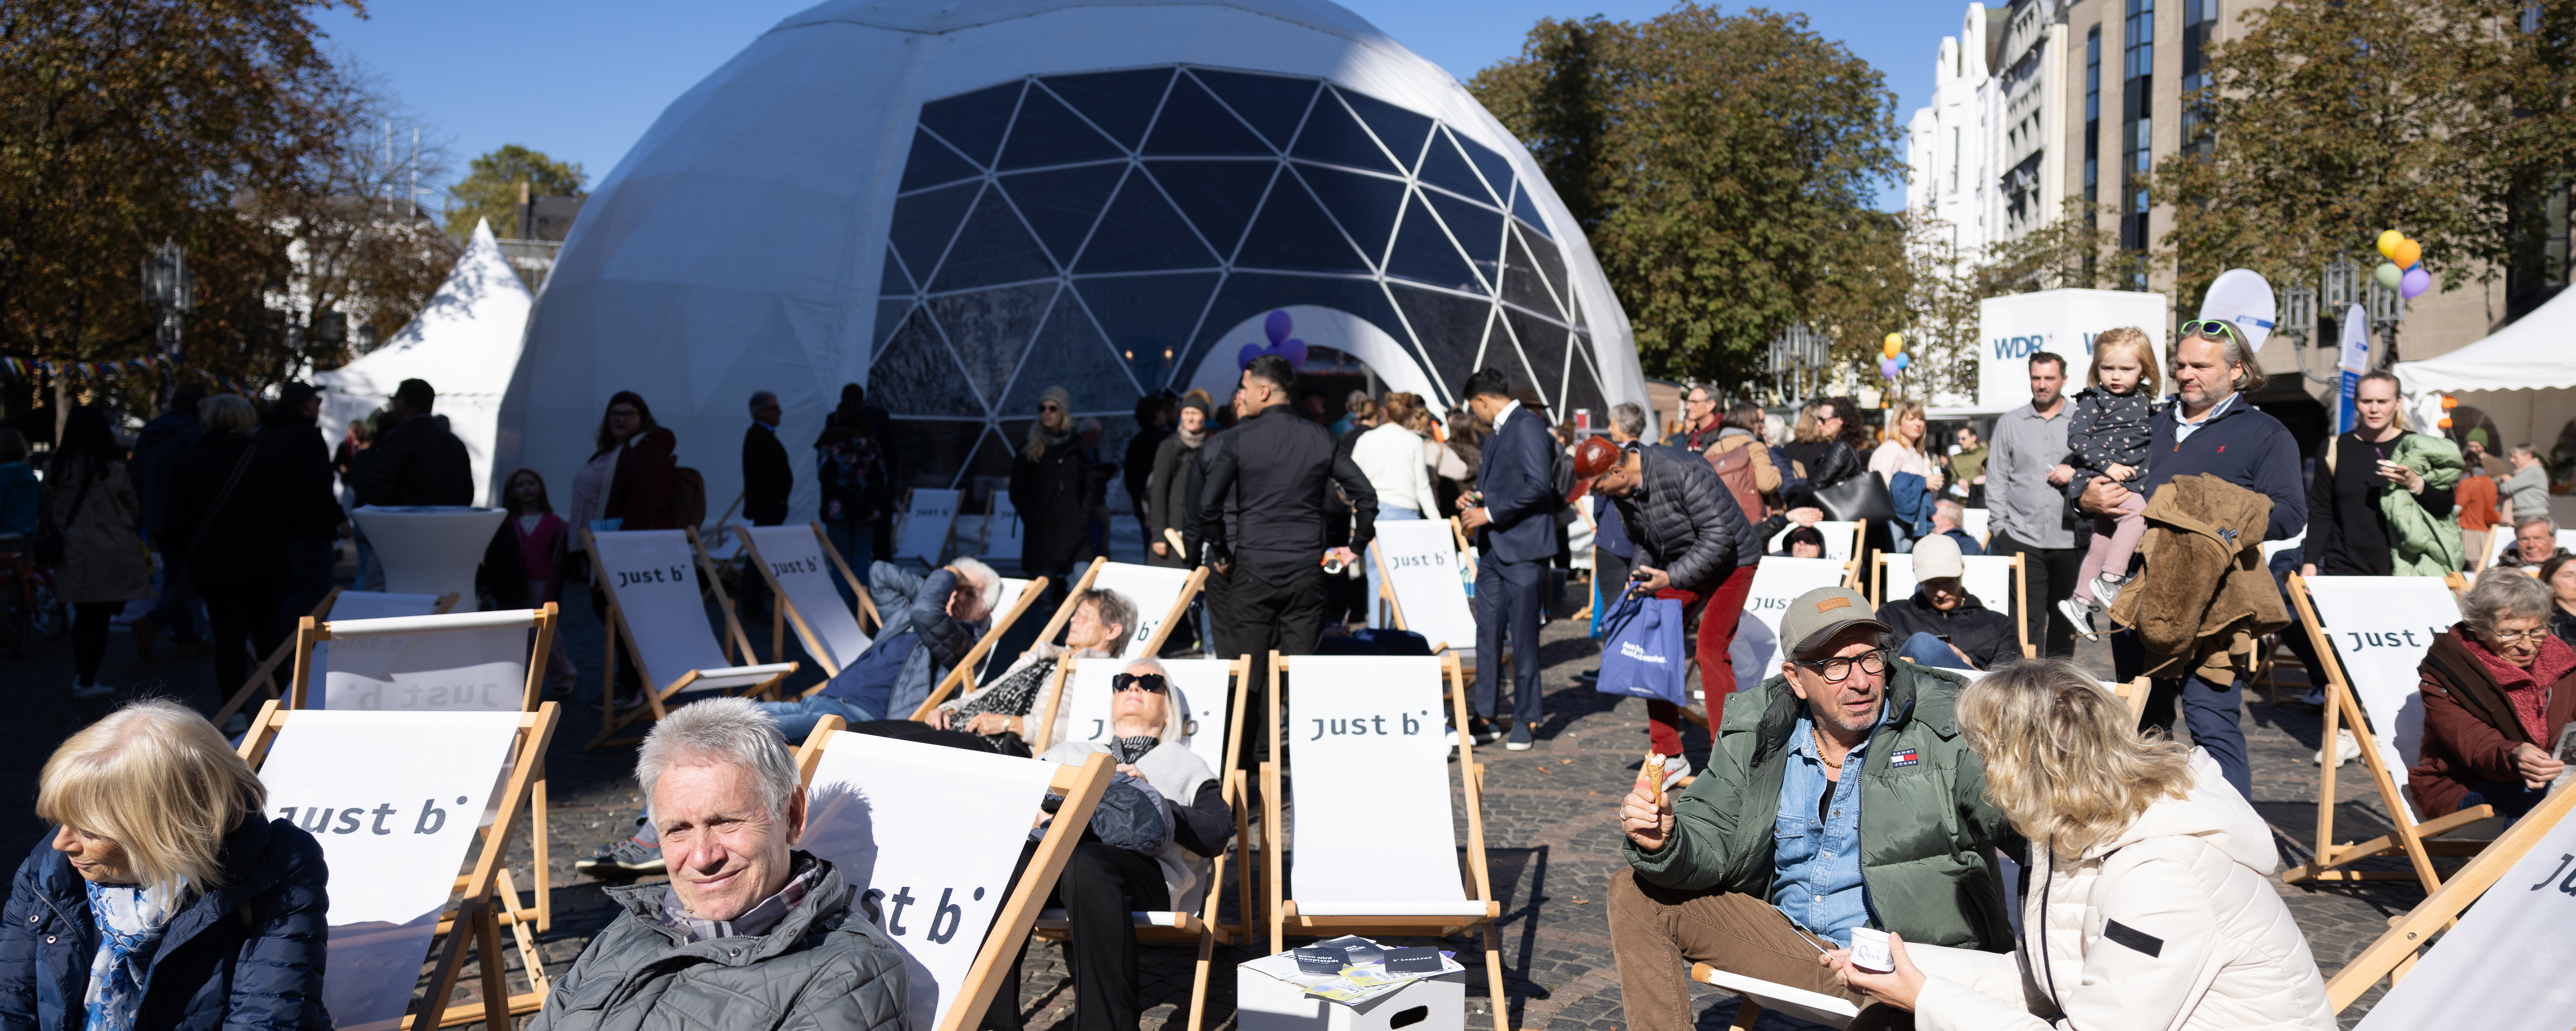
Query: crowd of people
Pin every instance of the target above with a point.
(1926, 711)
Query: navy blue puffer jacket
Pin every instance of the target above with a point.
(246, 955)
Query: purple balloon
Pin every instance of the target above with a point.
(1276, 327)
(1292, 349)
(1243, 358)
(1887, 367)
(2415, 283)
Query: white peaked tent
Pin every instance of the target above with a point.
(465, 342)
(2522, 376)
(960, 205)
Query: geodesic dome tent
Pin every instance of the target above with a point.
(960, 208)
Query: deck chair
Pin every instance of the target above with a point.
(929, 523)
(1162, 596)
(1382, 859)
(465, 662)
(1755, 652)
(798, 563)
(1978, 523)
(1992, 578)
(885, 811)
(1018, 596)
(655, 608)
(264, 679)
(1215, 690)
(1842, 540)
(2370, 632)
(2460, 982)
(1419, 586)
(1003, 532)
(337, 772)
(2503, 538)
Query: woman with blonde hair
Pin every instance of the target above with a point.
(163, 898)
(1902, 449)
(2148, 900)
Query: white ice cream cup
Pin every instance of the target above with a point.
(1869, 951)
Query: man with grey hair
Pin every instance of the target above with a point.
(749, 932)
(1627, 422)
(931, 622)
(2535, 540)
(2526, 492)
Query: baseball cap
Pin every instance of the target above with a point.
(1816, 616)
(1937, 556)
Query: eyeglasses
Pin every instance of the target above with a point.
(1838, 669)
(1150, 683)
(2512, 636)
(1049, 406)
(2211, 328)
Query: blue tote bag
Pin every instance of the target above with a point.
(1644, 651)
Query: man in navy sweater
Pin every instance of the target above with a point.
(2211, 429)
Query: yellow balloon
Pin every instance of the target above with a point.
(1894, 344)
(2388, 243)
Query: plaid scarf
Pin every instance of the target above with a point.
(130, 921)
(754, 922)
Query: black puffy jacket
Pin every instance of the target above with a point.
(1986, 636)
(1684, 522)
(246, 955)
(238, 537)
(421, 463)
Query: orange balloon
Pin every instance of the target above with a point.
(2406, 253)
(2449, 402)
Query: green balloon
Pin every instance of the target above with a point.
(2389, 275)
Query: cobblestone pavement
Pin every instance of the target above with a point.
(1550, 833)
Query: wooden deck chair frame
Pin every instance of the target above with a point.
(1282, 911)
(477, 917)
(655, 695)
(2021, 596)
(1153, 645)
(783, 611)
(310, 632)
(2396, 951)
(1202, 929)
(263, 678)
(1081, 787)
(2411, 838)
(964, 673)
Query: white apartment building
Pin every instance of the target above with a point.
(1987, 156)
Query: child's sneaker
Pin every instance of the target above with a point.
(2079, 614)
(2106, 589)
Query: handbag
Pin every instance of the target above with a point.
(1645, 652)
(1860, 498)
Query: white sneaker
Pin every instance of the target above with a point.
(2079, 615)
(81, 693)
(2346, 749)
(2316, 696)
(1677, 768)
(2107, 590)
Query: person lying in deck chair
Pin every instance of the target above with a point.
(1162, 818)
(748, 932)
(931, 623)
(1838, 796)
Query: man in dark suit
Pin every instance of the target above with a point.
(1514, 523)
(766, 475)
(418, 462)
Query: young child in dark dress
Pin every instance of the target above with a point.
(2107, 435)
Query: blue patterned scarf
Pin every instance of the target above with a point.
(130, 921)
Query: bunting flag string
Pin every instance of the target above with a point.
(21, 370)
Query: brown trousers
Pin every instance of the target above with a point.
(1657, 932)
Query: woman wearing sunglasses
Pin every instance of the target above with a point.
(2497, 690)
(1147, 848)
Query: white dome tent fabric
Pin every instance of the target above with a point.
(959, 206)
(464, 342)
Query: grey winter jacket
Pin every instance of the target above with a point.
(920, 604)
(1684, 522)
(825, 967)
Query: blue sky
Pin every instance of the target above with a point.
(582, 81)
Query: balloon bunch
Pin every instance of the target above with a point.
(2404, 270)
(1276, 327)
(2448, 403)
(1892, 356)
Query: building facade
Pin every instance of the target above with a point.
(1987, 157)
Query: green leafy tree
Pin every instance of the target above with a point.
(490, 189)
(1723, 168)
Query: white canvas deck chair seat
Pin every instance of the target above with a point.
(267, 679)
(461, 662)
(655, 608)
(1162, 596)
(931, 872)
(1017, 597)
(928, 524)
(2000, 583)
(2370, 632)
(391, 796)
(798, 562)
(1002, 533)
(1420, 585)
(1375, 852)
(2496, 968)
(1755, 652)
(1214, 690)
(1842, 540)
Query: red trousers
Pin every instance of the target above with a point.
(1712, 618)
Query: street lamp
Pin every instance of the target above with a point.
(1794, 354)
(170, 290)
(2343, 284)
(2299, 322)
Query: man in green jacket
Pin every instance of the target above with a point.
(1839, 795)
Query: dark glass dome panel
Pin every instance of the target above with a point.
(1217, 196)
(974, 122)
(1246, 294)
(1294, 233)
(1142, 233)
(1444, 167)
(1272, 104)
(1400, 130)
(916, 375)
(1451, 330)
(925, 222)
(993, 248)
(893, 283)
(1528, 212)
(1423, 253)
(1048, 133)
(1363, 205)
(1479, 230)
(932, 163)
(1061, 204)
(990, 330)
(1151, 316)
(1194, 124)
(1334, 136)
(1496, 168)
(1119, 103)
(1071, 353)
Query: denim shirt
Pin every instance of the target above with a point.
(1818, 880)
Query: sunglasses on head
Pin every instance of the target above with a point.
(1150, 683)
(2212, 328)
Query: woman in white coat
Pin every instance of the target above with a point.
(2147, 901)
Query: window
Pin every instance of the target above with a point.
(1954, 158)
(2137, 129)
(2199, 28)
(2093, 115)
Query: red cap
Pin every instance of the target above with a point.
(1594, 456)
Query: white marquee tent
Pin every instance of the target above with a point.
(2522, 378)
(960, 205)
(464, 342)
